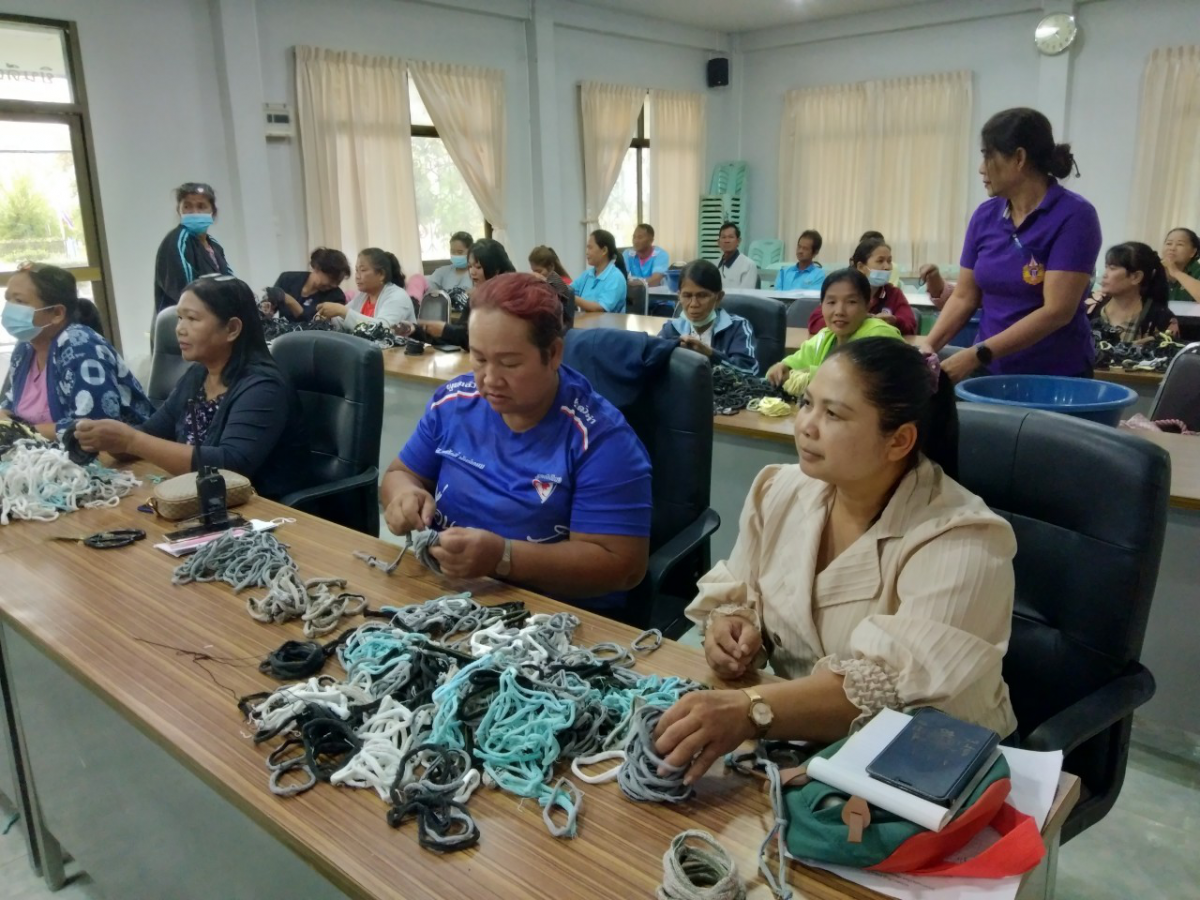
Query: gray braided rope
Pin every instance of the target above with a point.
(699, 873)
(638, 775)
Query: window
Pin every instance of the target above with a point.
(49, 210)
(629, 201)
(444, 202)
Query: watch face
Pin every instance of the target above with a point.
(761, 714)
(1055, 33)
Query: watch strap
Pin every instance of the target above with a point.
(504, 567)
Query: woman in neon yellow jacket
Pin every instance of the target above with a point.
(845, 303)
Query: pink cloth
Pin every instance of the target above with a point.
(34, 405)
(417, 286)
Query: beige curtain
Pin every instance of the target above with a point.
(356, 149)
(467, 108)
(1166, 183)
(609, 115)
(677, 143)
(892, 156)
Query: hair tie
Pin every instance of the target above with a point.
(934, 364)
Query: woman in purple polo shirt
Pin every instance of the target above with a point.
(1027, 259)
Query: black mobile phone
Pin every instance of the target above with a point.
(935, 756)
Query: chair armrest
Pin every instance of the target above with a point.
(670, 554)
(1087, 717)
(332, 488)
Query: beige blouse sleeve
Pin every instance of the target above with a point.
(731, 586)
(946, 641)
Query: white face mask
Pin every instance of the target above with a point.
(879, 277)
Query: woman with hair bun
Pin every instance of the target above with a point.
(380, 298)
(1027, 259)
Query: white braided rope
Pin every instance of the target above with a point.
(39, 481)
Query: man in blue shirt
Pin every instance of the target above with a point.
(806, 274)
(645, 261)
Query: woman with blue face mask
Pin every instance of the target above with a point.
(873, 257)
(62, 368)
(455, 275)
(188, 251)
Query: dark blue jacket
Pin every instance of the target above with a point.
(258, 430)
(617, 363)
(732, 340)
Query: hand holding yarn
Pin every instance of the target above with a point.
(700, 728)
(468, 552)
(105, 435)
(730, 645)
(411, 509)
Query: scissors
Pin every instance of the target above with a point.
(108, 540)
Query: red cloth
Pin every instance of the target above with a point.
(368, 308)
(892, 299)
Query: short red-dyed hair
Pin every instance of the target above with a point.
(526, 297)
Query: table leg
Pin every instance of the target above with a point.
(14, 785)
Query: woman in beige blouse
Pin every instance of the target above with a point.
(866, 575)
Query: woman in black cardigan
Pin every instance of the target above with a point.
(233, 409)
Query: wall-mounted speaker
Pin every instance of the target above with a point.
(718, 72)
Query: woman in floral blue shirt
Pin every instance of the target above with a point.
(62, 368)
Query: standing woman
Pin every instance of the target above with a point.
(1181, 257)
(1028, 258)
(381, 296)
(603, 285)
(188, 251)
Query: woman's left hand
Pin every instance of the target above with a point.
(468, 552)
(694, 343)
(105, 435)
(961, 364)
(701, 728)
(331, 310)
(1172, 268)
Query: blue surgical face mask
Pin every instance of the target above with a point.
(879, 277)
(18, 321)
(459, 262)
(196, 223)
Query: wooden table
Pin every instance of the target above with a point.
(143, 769)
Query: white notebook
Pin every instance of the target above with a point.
(846, 770)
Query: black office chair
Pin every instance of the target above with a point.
(1089, 538)
(339, 378)
(637, 298)
(167, 364)
(1178, 396)
(435, 307)
(799, 311)
(672, 415)
(768, 318)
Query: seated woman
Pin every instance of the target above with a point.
(703, 326)
(544, 261)
(1133, 294)
(845, 294)
(603, 285)
(232, 409)
(303, 292)
(455, 275)
(381, 296)
(866, 575)
(873, 258)
(527, 472)
(62, 368)
(485, 260)
(1181, 257)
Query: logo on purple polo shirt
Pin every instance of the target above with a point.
(1033, 272)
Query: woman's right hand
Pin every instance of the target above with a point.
(730, 645)
(778, 373)
(411, 509)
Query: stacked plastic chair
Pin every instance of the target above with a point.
(724, 202)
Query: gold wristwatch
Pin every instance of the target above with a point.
(760, 712)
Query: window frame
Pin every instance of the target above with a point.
(430, 131)
(640, 143)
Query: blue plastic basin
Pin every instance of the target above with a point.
(967, 334)
(1099, 401)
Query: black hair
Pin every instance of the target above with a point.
(196, 187)
(1023, 128)
(382, 261)
(463, 238)
(606, 242)
(492, 258)
(1192, 236)
(649, 229)
(544, 256)
(227, 298)
(814, 236)
(853, 277)
(57, 287)
(896, 380)
(1134, 256)
(703, 273)
(866, 247)
(868, 235)
(733, 225)
(330, 262)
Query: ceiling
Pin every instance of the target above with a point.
(750, 15)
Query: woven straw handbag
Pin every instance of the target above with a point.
(177, 498)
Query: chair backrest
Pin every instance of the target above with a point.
(799, 310)
(637, 299)
(167, 364)
(1178, 396)
(435, 307)
(768, 318)
(766, 252)
(339, 378)
(1089, 539)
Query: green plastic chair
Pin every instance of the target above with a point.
(766, 253)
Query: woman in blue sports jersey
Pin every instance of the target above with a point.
(527, 472)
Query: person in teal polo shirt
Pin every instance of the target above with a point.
(645, 261)
(603, 285)
(806, 274)
(845, 303)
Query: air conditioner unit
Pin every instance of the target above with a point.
(278, 117)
